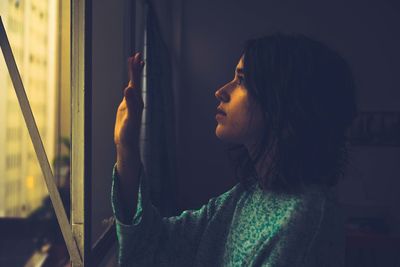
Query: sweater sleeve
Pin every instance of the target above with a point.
(153, 240)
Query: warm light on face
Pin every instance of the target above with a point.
(237, 126)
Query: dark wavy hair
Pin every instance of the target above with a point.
(307, 93)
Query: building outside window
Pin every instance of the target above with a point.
(31, 27)
(39, 36)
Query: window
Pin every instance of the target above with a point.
(38, 33)
(34, 39)
(76, 81)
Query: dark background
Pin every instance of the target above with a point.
(366, 33)
(205, 39)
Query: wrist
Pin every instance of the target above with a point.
(127, 158)
(124, 151)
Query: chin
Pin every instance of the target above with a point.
(220, 132)
(223, 134)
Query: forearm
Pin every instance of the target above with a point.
(128, 167)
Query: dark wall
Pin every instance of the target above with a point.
(365, 33)
(110, 40)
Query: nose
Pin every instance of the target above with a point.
(221, 94)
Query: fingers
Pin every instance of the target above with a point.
(135, 66)
(132, 93)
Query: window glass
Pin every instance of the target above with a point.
(38, 32)
(33, 31)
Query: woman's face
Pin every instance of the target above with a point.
(236, 126)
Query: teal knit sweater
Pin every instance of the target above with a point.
(241, 227)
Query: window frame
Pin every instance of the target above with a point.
(39, 148)
(81, 93)
(77, 232)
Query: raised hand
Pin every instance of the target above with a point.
(129, 114)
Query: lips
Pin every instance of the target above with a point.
(220, 111)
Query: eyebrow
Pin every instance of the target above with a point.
(239, 71)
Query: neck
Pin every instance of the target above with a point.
(263, 162)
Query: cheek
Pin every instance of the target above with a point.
(234, 128)
(253, 123)
(242, 123)
(238, 127)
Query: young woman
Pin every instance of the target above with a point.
(286, 110)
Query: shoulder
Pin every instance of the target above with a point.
(311, 235)
(226, 201)
(316, 206)
(319, 205)
(317, 224)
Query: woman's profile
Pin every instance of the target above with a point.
(287, 109)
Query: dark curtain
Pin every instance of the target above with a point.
(161, 147)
